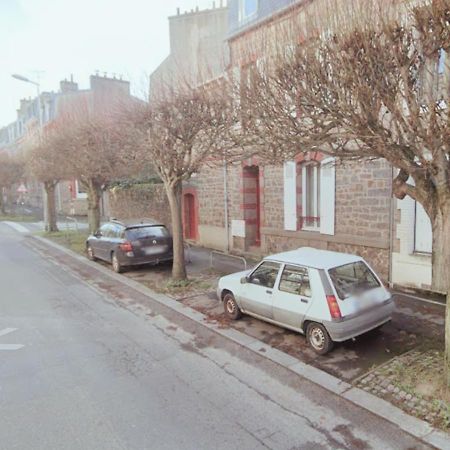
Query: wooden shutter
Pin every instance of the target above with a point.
(327, 196)
(423, 231)
(290, 196)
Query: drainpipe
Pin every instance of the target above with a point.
(391, 229)
(225, 195)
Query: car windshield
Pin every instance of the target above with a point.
(134, 234)
(353, 279)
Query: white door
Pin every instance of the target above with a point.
(293, 297)
(256, 294)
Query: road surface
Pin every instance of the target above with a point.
(79, 370)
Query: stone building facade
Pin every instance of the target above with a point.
(312, 201)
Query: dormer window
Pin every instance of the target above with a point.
(247, 9)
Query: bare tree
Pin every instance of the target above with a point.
(11, 171)
(47, 164)
(95, 154)
(180, 133)
(376, 88)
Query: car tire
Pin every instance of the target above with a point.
(117, 267)
(90, 253)
(231, 307)
(318, 338)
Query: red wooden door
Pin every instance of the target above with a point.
(190, 230)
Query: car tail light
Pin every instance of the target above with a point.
(126, 247)
(334, 307)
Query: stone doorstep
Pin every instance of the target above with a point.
(381, 408)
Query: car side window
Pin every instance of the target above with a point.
(104, 229)
(265, 275)
(116, 231)
(295, 280)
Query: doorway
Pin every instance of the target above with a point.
(252, 205)
(190, 219)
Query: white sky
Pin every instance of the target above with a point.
(64, 37)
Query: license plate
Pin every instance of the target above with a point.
(154, 250)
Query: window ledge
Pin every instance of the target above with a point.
(424, 254)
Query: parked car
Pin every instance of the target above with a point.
(328, 296)
(130, 243)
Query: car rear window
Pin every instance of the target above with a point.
(134, 234)
(353, 279)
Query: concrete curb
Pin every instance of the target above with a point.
(411, 425)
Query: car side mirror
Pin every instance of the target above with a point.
(98, 234)
(244, 280)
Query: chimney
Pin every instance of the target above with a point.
(68, 86)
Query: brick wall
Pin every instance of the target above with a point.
(142, 201)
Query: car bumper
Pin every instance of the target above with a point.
(361, 323)
(141, 260)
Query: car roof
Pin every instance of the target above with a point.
(315, 258)
(137, 223)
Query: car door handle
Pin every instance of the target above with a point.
(303, 300)
(268, 292)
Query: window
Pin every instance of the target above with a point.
(441, 61)
(79, 191)
(352, 279)
(423, 232)
(265, 275)
(311, 196)
(247, 9)
(134, 234)
(295, 280)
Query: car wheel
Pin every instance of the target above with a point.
(117, 267)
(231, 307)
(318, 338)
(90, 253)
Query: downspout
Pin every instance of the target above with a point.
(225, 195)
(391, 229)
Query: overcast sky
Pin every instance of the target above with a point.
(57, 38)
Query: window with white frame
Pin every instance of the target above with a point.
(247, 9)
(310, 196)
(310, 219)
(441, 61)
(79, 191)
(423, 232)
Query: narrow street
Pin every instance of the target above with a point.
(96, 372)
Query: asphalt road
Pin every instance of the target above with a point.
(93, 374)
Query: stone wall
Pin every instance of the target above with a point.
(363, 199)
(140, 201)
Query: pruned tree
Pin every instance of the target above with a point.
(179, 133)
(95, 154)
(376, 88)
(47, 164)
(11, 172)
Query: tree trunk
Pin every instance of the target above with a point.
(441, 249)
(2, 203)
(51, 206)
(174, 196)
(447, 342)
(441, 270)
(94, 193)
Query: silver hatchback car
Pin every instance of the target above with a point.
(328, 296)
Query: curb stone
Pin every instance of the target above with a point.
(381, 408)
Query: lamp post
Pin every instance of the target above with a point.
(38, 91)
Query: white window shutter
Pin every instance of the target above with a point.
(327, 196)
(423, 231)
(290, 196)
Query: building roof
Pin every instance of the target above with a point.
(312, 257)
